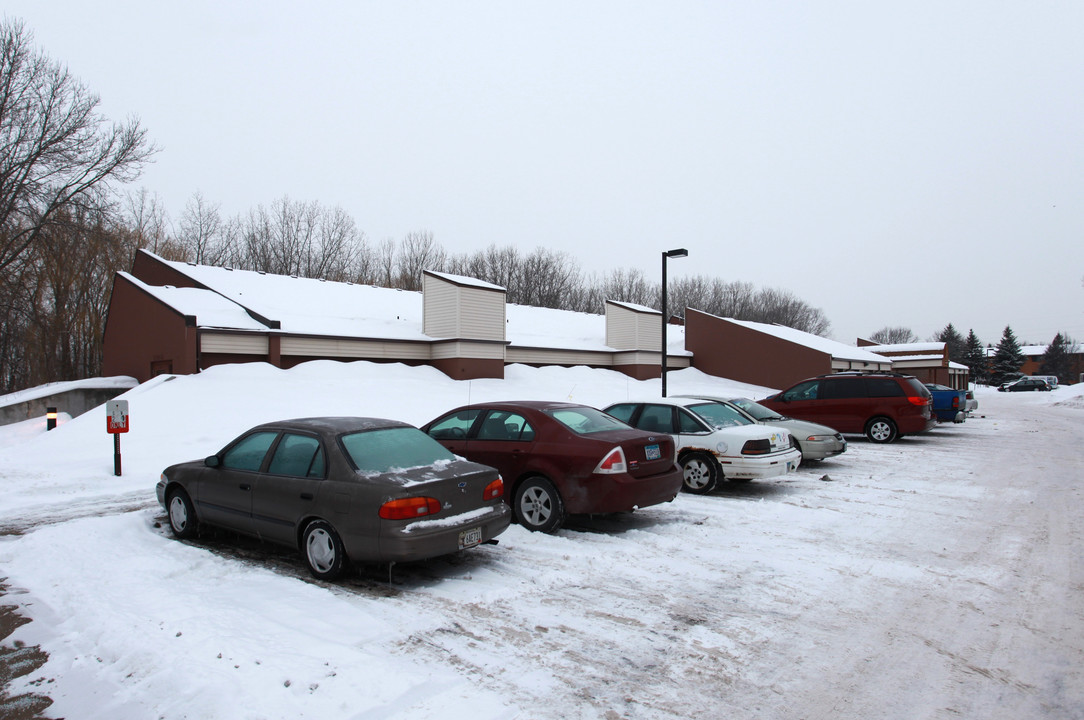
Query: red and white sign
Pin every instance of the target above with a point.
(116, 416)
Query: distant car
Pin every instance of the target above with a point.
(339, 489)
(562, 458)
(814, 441)
(949, 404)
(882, 405)
(715, 441)
(1026, 384)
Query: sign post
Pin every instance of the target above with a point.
(116, 422)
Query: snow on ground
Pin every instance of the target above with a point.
(937, 577)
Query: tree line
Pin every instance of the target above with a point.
(69, 222)
(1005, 360)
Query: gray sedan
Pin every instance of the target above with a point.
(814, 441)
(339, 490)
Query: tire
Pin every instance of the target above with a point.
(182, 514)
(323, 551)
(538, 506)
(701, 473)
(881, 430)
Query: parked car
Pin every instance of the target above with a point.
(972, 402)
(882, 405)
(715, 441)
(813, 441)
(1026, 384)
(339, 489)
(949, 404)
(562, 459)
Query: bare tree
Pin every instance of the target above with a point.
(417, 253)
(58, 151)
(893, 336)
(200, 232)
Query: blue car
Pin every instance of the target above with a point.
(949, 405)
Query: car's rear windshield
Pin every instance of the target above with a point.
(720, 415)
(586, 420)
(380, 451)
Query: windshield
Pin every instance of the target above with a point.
(379, 451)
(756, 409)
(720, 415)
(586, 420)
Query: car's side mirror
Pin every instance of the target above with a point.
(212, 461)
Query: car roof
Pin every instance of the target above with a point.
(679, 400)
(335, 425)
(531, 404)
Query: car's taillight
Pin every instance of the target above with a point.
(756, 447)
(412, 507)
(494, 490)
(956, 401)
(919, 400)
(613, 463)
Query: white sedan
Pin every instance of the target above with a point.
(715, 441)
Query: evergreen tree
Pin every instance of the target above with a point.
(1056, 360)
(954, 342)
(975, 358)
(1007, 357)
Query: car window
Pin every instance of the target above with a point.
(298, 456)
(803, 391)
(586, 420)
(841, 388)
(687, 423)
(656, 418)
(504, 425)
(454, 426)
(757, 410)
(720, 415)
(623, 412)
(249, 452)
(386, 449)
(888, 387)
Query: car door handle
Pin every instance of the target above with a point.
(306, 496)
(245, 486)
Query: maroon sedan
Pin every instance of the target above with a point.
(562, 459)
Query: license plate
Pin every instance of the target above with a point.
(653, 452)
(470, 538)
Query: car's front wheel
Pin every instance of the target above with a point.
(538, 506)
(182, 515)
(701, 473)
(881, 430)
(323, 551)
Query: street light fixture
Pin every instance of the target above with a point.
(676, 253)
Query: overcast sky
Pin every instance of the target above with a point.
(905, 164)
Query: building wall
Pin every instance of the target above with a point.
(729, 350)
(143, 337)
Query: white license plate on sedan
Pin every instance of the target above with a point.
(652, 452)
(470, 538)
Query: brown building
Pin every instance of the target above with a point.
(770, 355)
(929, 362)
(175, 317)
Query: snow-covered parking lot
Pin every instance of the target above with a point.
(937, 577)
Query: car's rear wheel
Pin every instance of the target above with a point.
(881, 430)
(182, 515)
(701, 473)
(538, 506)
(323, 551)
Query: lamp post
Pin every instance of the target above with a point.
(677, 253)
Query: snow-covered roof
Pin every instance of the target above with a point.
(926, 347)
(634, 307)
(464, 280)
(208, 307)
(837, 350)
